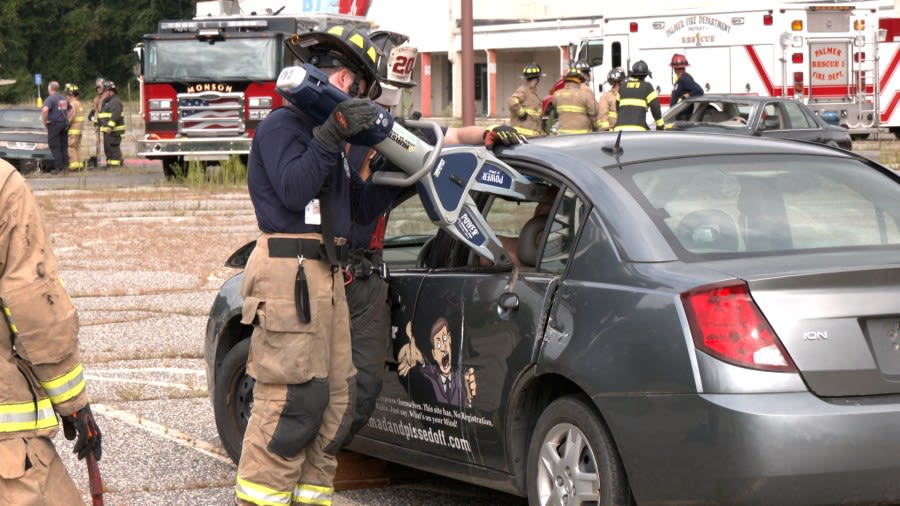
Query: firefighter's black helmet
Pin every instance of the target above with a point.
(574, 75)
(390, 51)
(616, 75)
(640, 70)
(531, 71)
(109, 85)
(340, 45)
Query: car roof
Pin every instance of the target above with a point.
(735, 98)
(598, 150)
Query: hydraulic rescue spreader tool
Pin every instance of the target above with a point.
(443, 176)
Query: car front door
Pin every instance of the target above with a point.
(464, 331)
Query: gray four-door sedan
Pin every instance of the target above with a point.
(781, 118)
(689, 319)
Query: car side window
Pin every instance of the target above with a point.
(798, 117)
(771, 118)
(567, 218)
(406, 232)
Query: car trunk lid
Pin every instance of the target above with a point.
(837, 315)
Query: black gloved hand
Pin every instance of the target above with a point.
(347, 119)
(81, 424)
(503, 135)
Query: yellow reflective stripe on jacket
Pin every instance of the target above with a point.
(573, 131)
(74, 131)
(572, 108)
(66, 386)
(528, 131)
(313, 494)
(534, 111)
(636, 128)
(25, 416)
(660, 122)
(260, 494)
(78, 119)
(636, 102)
(105, 115)
(613, 114)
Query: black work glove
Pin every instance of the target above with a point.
(503, 135)
(347, 119)
(81, 424)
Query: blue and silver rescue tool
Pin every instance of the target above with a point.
(452, 172)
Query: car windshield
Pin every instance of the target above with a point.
(20, 118)
(745, 206)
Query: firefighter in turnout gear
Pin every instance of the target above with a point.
(575, 106)
(112, 125)
(585, 69)
(76, 127)
(96, 106)
(40, 365)
(525, 104)
(304, 194)
(607, 114)
(636, 96)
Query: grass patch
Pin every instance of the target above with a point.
(229, 173)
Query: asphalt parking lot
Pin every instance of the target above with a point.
(142, 260)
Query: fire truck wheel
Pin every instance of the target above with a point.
(173, 166)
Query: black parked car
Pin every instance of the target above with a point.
(23, 139)
(753, 115)
(691, 319)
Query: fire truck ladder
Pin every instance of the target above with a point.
(868, 105)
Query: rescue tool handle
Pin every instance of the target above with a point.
(94, 481)
(399, 179)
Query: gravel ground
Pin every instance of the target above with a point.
(142, 265)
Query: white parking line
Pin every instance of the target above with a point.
(171, 434)
(177, 386)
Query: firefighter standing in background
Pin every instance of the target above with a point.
(525, 104)
(76, 127)
(40, 365)
(685, 86)
(636, 96)
(111, 121)
(56, 113)
(607, 114)
(303, 192)
(585, 70)
(92, 116)
(575, 106)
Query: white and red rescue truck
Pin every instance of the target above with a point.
(207, 82)
(824, 53)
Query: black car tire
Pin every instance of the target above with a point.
(554, 475)
(233, 399)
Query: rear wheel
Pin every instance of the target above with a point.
(173, 166)
(572, 460)
(233, 399)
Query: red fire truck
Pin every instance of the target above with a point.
(207, 82)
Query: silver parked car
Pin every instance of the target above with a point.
(690, 319)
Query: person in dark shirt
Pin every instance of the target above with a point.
(56, 113)
(685, 86)
(304, 194)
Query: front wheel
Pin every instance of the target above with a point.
(233, 399)
(572, 460)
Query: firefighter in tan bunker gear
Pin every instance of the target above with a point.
(40, 365)
(76, 127)
(525, 104)
(575, 106)
(303, 193)
(607, 114)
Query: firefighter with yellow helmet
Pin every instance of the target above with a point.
(40, 363)
(575, 105)
(76, 127)
(112, 125)
(525, 104)
(304, 193)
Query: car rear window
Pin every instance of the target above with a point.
(20, 119)
(742, 206)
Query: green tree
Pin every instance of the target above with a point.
(75, 41)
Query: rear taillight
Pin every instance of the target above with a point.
(727, 324)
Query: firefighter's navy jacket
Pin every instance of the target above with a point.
(635, 97)
(287, 169)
